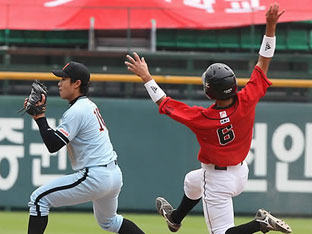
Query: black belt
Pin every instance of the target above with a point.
(115, 161)
(223, 168)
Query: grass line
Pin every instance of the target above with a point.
(81, 223)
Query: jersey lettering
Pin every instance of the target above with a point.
(226, 134)
(100, 119)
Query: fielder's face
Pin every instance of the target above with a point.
(67, 89)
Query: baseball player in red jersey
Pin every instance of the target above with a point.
(224, 133)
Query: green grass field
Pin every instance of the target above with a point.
(82, 223)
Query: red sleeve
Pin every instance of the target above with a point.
(179, 111)
(255, 88)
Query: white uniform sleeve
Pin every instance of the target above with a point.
(70, 123)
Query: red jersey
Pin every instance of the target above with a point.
(224, 135)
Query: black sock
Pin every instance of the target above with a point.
(128, 227)
(184, 208)
(37, 224)
(246, 228)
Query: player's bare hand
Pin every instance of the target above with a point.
(138, 66)
(272, 16)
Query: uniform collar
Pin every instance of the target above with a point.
(225, 107)
(73, 101)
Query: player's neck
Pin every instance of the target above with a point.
(224, 103)
(75, 99)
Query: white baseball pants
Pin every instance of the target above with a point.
(101, 185)
(217, 188)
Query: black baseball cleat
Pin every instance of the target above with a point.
(165, 209)
(270, 223)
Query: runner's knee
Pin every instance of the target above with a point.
(192, 185)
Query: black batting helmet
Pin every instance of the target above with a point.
(219, 81)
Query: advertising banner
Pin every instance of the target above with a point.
(155, 152)
(138, 14)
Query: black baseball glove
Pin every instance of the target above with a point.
(30, 107)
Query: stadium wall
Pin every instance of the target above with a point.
(155, 153)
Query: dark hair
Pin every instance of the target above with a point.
(83, 88)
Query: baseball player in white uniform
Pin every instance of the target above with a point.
(97, 176)
(224, 133)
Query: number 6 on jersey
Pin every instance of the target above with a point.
(226, 134)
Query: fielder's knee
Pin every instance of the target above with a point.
(37, 205)
(111, 224)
